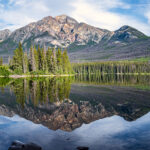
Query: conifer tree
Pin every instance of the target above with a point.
(21, 54)
(66, 62)
(45, 60)
(54, 63)
(32, 59)
(39, 54)
(25, 63)
(49, 60)
(42, 60)
(17, 61)
(1, 61)
(59, 60)
(36, 58)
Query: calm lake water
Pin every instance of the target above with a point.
(109, 112)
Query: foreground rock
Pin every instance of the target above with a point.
(17, 145)
(82, 148)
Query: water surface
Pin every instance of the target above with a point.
(101, 112)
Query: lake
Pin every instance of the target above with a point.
(102, 112)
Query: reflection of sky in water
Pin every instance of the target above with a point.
(110, 134)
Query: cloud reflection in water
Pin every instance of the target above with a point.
(109, 133)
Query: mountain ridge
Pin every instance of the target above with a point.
(65, 32)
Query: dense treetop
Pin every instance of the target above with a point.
(40, 61)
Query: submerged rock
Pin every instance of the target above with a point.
(82, 148)
(17, 145)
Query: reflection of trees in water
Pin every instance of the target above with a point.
(49, 90)
(4, 82)
(114, 79)
(41, 91)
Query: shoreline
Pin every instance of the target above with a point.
(66, 75)
(32, 76)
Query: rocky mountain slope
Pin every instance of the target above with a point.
(84, 42)
(4, 34)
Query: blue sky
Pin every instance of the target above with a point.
(108, 14)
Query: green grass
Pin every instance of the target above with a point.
(142, 87)
(74, 47)
(142, 59)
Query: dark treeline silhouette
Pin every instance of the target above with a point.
(40, 61)
(112, 67)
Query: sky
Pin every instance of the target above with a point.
(105, 14)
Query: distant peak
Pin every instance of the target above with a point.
(6, 30)
(129, 28)
(47, 18)
(62, 16)
(65, 19)
(125, 27)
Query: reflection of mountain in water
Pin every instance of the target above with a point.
(47, 101)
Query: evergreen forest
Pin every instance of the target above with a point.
(37, 61)
(112, 67)
(51, 61)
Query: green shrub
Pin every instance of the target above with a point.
(17, 71)
(40, 72)
(4, 71)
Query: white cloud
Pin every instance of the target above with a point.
(22, 12)
(95, 12)
(106, 4)
(147, 14)
(102, 17)
(87, 12)
(11, 2)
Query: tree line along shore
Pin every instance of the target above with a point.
(52, 62)
(112, 67)
(39, 61)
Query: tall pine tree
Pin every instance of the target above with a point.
(25, 63)
(66, 62)
(39, 54)
(49, 60)
(45, 60)
(32, 59)
(36, 58)
(59, 60)
(17, 61)
(1, 61)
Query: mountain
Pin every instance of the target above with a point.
(60, 31)
(4, 34)
(84, 42)
(124, 43)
